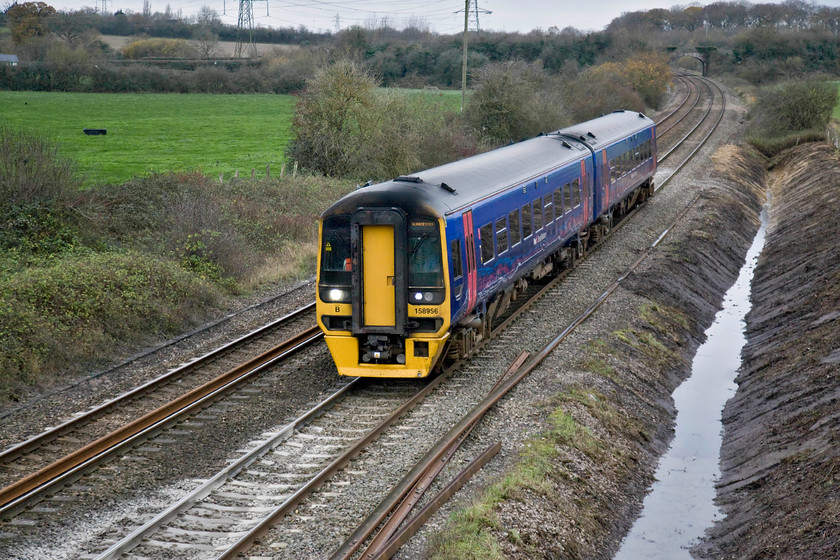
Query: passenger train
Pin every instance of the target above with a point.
(415, 270)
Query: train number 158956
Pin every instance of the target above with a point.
(426, 310)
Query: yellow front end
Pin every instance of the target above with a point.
(422, 350)
(345, 353)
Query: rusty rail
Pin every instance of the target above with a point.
(52, 474)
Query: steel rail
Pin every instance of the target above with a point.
(392, 542)
(409, 491)
(136, 536)
(690, 132)
(13, 496)
(705, 138)
(11, 453)
(318, 480)
(410, 529)
(661, 133)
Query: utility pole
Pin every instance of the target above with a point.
(466, 31)
(464, 64)
(245, 26)
(103, 7)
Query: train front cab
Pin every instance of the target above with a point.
(382, 292)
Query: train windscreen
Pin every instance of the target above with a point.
(425, 265)
(336, 266)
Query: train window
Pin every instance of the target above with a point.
(455, 251)
(486, 235)
(549, 209)
(513, 227)
(576, 193)
(526, 221)
(558, 201)
(567, 198)
(501, 236)
(538, 217)
(335, 251)
(425, 262)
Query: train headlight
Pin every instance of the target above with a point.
(337, 295)
(428, 296)
(418, 296)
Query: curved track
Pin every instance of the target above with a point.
(54, 456)
(270, 480)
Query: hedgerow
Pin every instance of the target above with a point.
(86, 304)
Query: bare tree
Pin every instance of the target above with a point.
(207, 41)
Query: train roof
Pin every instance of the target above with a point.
(441, 190)
(608, 129)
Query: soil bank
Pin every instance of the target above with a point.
(780, 460)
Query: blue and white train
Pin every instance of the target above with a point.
(415, 270)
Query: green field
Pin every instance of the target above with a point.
(150, 133)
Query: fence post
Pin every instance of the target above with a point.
(236, 174)
(294, 173)
(267, 170)
(222, 177)
(282, 170)
(253, 173)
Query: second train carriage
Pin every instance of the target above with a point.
(419, 266)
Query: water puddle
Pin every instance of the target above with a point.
(681, 504)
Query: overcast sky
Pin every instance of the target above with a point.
(441, 15)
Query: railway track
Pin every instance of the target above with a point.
(191, 528)
(208, 524)
(33, 463)
(52, 457)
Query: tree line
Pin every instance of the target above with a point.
(757, 42)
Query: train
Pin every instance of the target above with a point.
(413, 272)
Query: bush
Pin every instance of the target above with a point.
(37, 190)
(159, 48)
(32, 173)
(334, 117)
(791, 113)
(343, 126)
(220, 230)
(513, 101)
(599, 90)
(73, 308)
(794, 106)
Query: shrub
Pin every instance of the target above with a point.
(217, 229)
(794, 106)
(73, 308)
(601, 89)
(788, 114)
(648, 74)
(159, 48)
(513, 101)
(37, 189)
(334, 116)
(31, 170)
(343, 126)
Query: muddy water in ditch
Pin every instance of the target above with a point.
(681, 504)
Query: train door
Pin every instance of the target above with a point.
(472, 274)
(378, 286)
(378, 245)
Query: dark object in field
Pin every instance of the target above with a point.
(96, 131)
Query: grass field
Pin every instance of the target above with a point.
(150, 133)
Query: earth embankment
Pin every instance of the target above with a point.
(780, 460)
